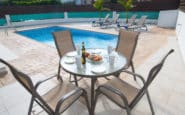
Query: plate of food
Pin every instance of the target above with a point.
(95, 58)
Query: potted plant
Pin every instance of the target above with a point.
(127, 4)
(98, 4)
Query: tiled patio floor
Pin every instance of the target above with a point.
(167, 91)
(31, 53)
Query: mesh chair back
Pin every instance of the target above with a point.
(141, 21)
(155, 70)
(152, 74)
(27, 83)
(21, 77)
(127, 42)
(63, 41)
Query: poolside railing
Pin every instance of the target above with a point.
(67, 17)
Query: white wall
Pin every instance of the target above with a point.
(167, 18)
(180, 31)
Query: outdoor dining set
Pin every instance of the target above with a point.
(100, 63)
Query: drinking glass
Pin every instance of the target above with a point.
(111, 60)
(78, 49)
(109, 49)
(78, 61)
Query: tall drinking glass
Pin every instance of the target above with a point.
(78, 49)
(109, 49)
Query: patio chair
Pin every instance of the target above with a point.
(131, 22)
(99, 22)
(139, 25)
(109, 23)
(124, 94)
(56, 100)
(127, 41)
(64, 43)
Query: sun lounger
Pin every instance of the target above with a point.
(110, 23)
(131, 22)
(99, 22)
(139, 25)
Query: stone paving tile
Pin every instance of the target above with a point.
(4, 113)
(33, 58)
(1, 85)
(2, 106)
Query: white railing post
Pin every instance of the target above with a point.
(65, 15)
(8, 20)
(114, 14)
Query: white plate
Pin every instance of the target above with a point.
(71, 54)
(99, 70)
(96, 51)
(69, 60)
(94, 62)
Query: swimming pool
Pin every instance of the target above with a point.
(90, 38)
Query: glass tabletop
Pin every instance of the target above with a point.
(101, 68)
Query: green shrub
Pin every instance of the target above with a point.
(4, 2)
(33, 2)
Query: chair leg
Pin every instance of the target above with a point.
(31, 105)
(95, 100)
(127, 108)
(76, 82)
(106, 78)
(128, 111)
(59, 77)
(150, 103)
(133, 70)
(70, 78)
(146, 27)
(87, 102)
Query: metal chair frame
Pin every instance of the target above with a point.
(62, 53)
(130, 59)
(144, 90)
(36, 97)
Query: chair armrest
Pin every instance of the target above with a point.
(116, 91)
(42, 81)
(67, 96)
(134, 74)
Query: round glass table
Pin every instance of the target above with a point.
(94, 69)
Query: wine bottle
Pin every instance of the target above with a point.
(83, 59)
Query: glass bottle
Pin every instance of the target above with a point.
(83, 54)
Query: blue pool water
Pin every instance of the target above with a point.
(91, 39)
